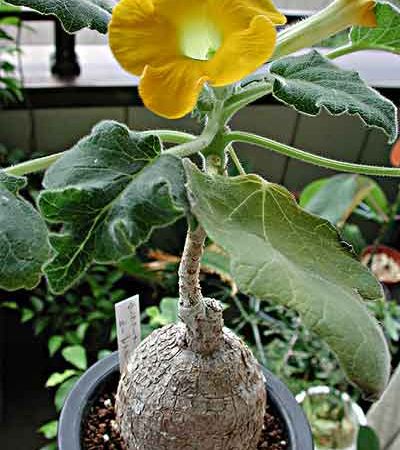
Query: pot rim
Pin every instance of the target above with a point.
(69, 429)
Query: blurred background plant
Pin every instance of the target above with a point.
(10, 82)
(334, 418)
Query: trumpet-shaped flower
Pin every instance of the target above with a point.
(178, 45)
(338, 16)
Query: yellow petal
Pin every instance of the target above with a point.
(235, 15)
(242, 52)
(139, 36)
(232, 8)
(270, 10)
(172, 90)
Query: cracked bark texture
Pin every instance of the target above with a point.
(194, 385)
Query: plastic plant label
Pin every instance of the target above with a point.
(127, 315)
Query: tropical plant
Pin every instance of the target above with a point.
(83, 322)
(106, 195)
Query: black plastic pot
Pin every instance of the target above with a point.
(88, 387)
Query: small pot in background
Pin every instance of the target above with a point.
(334, 417)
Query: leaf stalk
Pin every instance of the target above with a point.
(292, 152)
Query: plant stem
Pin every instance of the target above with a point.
(256, 331)
(287, 150)
(235, 159)
(172, 137)
(211, 130)
(249, 95)
(351, 48)
(341, 51)
(258, 341)
(34, 165)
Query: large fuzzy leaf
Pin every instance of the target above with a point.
(74, 14)
(311, 82)
(384, 416)
(24, 246)
(385, 36)
(280, 252)
(109, 192)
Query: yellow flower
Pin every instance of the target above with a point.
(337, 16)
(178, 45)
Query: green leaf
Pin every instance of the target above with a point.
(392, 327)
(9, 305)
(40, 324)
(280, 252)
(71, 338)
(26, 315)
(385, 36)
(336, 198)
(103, 354)
(5, 6)
(113, 333)
(74, 14)
(37, 304)
(166, 314)
(352, 235)
(23, 237)
(51, 446)
(395, 3)
(76, 355)
(7, 67)
(81, 331)
(49, 429)
(337, 40)
(57, 378)
(367, 439)
(384, 415)
(110, 191)
(63, 391)
(311, 190)
(311, 82)
(54, 344)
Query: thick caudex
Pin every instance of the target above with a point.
(194, 385)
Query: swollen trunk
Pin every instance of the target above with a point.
(194, 385)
